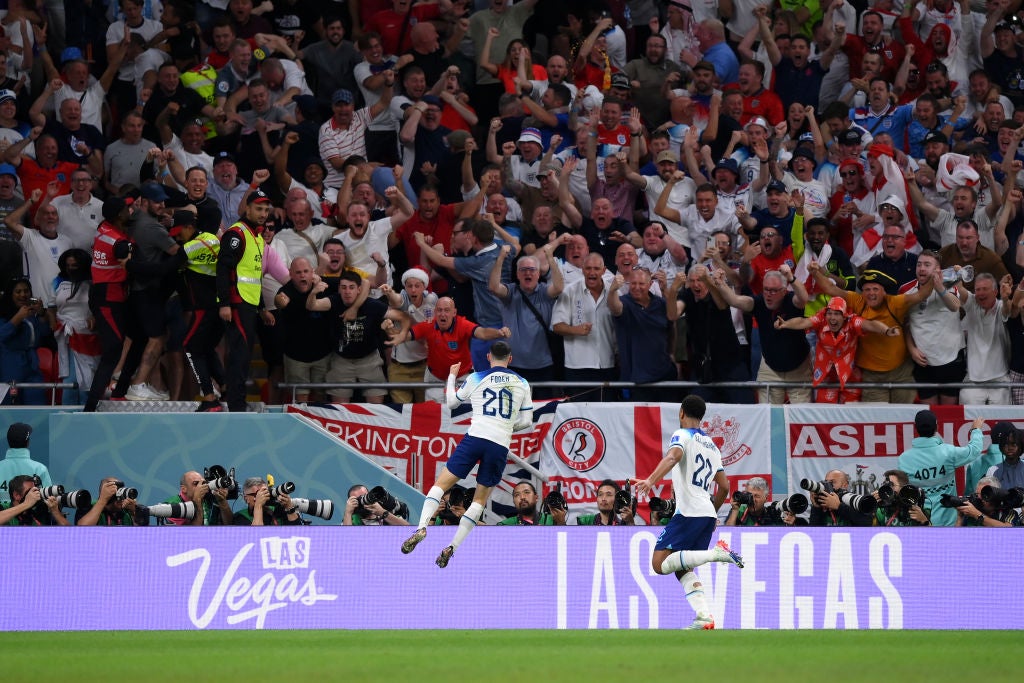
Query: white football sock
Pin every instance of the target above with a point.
(430, 506)
(694, 591)
(468, 523)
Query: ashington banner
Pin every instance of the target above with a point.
(572, 578)
(591, 442)
(871, 437)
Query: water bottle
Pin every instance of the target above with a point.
(954, 274)
(628, 17)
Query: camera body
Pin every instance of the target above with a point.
(624, 501)
(218, 478)
(381, 496)
(555, 500)
(743, 498)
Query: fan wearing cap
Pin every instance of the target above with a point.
(344, 134)
(409, 359)
(839, 333)
(778, 213)
(198, 288)
(18, 460)
(227, 189)
(931, 464)
(521, 168)
(800, 176)
(239, 278)
(889, 244)
(882, 359)
(1003, 57)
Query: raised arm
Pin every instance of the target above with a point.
(494, 283)
(661, 207)
(569, 211)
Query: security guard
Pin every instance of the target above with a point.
(109, 292)
(239, 275)
(198, 291)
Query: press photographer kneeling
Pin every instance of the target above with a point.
(900, 503)
(267, 506)
(750, 507)
(833, 505)
(989, 505)
(374, 507)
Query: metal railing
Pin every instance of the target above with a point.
(14, 387)
(678, 384)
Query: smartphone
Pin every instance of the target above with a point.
(34, 302)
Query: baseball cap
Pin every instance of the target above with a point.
(1004, 26)
(850, 162)
(432, 99)
(936, 136)
(113, 207)
(1000, 430)
(181, 220)
(926, 419)
(8, 169)
(757, 121)
(306, 104)
(552, 167)
(18, 434)
(879, 278)
(342, 95)
(728, 165)
(621, 80)
(837, 303)
(6, 95)
(666, 155)
(530, 135)
(259, 197)
(776, 186)
(895, 202)
(154, 192)
(224, 156)
(804, 153)
(70, 54)
(850, 137)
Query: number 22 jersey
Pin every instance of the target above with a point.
(694, 474)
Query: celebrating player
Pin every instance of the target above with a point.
(502, 404)
(695, 463)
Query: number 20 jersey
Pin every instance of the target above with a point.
(694, 474)
(499, 397)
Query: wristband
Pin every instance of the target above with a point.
(943, 292)
(384, 517)
(292, 510)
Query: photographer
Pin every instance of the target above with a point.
(828, 509)
(263, 509)
(524, 497)
(28, 508)
(195, 488)
(371, 514)
(453, 505)
(900, 509)
(111, 509)
(978, 512)
(748, 506)
(615, 507)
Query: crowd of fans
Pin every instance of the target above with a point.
(634, 190)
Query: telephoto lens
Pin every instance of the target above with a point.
(186, 510)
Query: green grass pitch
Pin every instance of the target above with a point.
(520, 656)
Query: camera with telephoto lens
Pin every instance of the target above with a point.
(796, 504)
(743, 498)
(662, 506)
(863, 504)
(816, 486)
(218, 478)
(886, 495)
(948, 500)
(381, 496)
(624, 500)
(284, 489)
(555, 500)
(1004, 499)
(125, 492)
(66, 499)
(323, 509)
(186, 510)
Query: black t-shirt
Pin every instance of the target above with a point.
(783, 350)
(362, 336)
(710, 329)
(68, 140)
(1008, 74)
(600, 240)
(307, 335)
